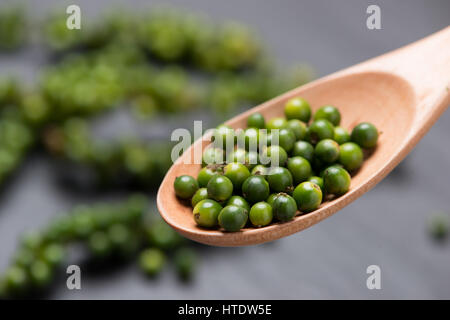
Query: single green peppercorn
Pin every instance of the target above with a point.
(212, 156)
(317, 180)
(300, 169)
(255, 189)
(206, 213)
(238, 201)
(233, 218)
(308, 196)
(260, 170)
(251, 136)
(351, 156)
(237, 173)
(256, 120)
(327, 151)
(329, 113)
(439, 226)
(336, 180)
(223, 136)
(297, 108)
(286, 139)
(16, 279)
(275, 156)
(53, 254)
(239, 155)
(220, 188)
(40, 273)
(261, 214)
(280, 179)
(276, 123)
(284, 207)
(201, 194)
(162, 236)
(341, 135)
(204, 176)
(304, 149)
(319, 130)
(185, 261)
(298, 127)
(152, 261)
(271, 198)
(185, 186)
(99, 244)
(365, 135)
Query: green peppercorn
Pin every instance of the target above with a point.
(255, 189)
(238, 201)
(276, 123)
(327, 151)
(439, 226)
(185, 186)
(162, 236)
(260, 170)
(252, 159)
(317, 180)
(223, 136)
(16, 279)
(220, 188)
(152, 261)
(237, 173)
(286, 139)
(53, 254)
(274, 155)
(119, 235)
(40, 273)
(256, 120)
(239, 155)
(280, 179)
(261, 214)
(212, 156)
(298, 108)
(233, 218)
(298, 127)
(319, 130)
(251, 136)
(365, 135)
(24, 257)
(308, 196)
(304, 149)
(204, 176)
(185, 261)
(99, 244)
(284, 207)
(336, 180)
(201, 194)
(300, 169)
(206, 213)
(351, 156)
(329, 113)
(341, 135)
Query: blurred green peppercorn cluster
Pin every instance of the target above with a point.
(105, 231)
(160, 62)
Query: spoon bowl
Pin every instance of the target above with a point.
(396, 93)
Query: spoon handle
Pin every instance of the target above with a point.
(425, 67)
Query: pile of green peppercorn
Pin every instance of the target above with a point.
(106, 231)
(142, 61)
(314, 161)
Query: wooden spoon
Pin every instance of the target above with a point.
(402, 92)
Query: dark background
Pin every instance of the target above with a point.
(386, 227)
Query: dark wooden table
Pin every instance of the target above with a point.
(386, 227)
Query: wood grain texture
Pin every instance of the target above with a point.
(402, 93)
